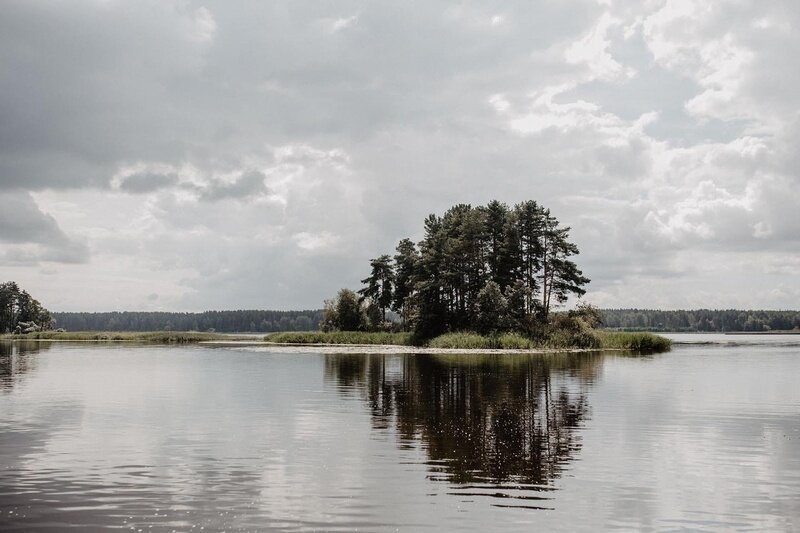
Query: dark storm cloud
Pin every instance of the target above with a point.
(23, 223)
(88, 86)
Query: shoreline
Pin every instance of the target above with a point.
(588, 341)
(355, 349)
(390, 349)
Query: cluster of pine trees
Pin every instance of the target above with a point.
(18, 308)
(705, 320)
(486, 269)
(221, 321)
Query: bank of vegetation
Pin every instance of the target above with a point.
(155, 337)
(594, 339)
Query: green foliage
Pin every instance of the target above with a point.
(573, 329)
(634, 341)
(489, 269)
(515, 341)
(555, 339)
(380, 285)
(341, 337)
(406, 263)
(491, 313)
(19, 311)
(467, 341)
(472, 341)
(344, 313)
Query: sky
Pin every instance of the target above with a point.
(183, 156)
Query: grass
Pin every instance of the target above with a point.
(559, 339)
(156, 337)
(467, 341)
(340, 337)
(448, 340)
(634, 341)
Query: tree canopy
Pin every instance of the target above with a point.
(487, 268)
(19, 311)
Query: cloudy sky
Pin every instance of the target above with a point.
(183, 155)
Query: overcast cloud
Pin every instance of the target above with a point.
(256, 154)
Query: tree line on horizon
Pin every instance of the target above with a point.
(702, 320)
(265, 321)
(486, 269)
(241, 321)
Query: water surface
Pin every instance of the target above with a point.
(242, 439)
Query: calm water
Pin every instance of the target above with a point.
(198, 438)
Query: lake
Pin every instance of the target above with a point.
(190, 438)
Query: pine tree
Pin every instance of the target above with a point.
(406, 263)
(380, 284)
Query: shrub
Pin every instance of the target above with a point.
(634, 341)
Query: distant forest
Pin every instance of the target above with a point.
(220, 321)
(706, 320)
(700, 320)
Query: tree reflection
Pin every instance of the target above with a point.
(16, 360)
(497, 419)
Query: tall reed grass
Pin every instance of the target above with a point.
(634, 341)
(340, 337)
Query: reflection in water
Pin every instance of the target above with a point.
(18, 358)
(181, 438)
(502, 420)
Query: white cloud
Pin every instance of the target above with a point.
(342, 23)
(203, 25)
(593, 51)
(315, 241)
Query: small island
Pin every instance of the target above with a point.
(486, 277)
